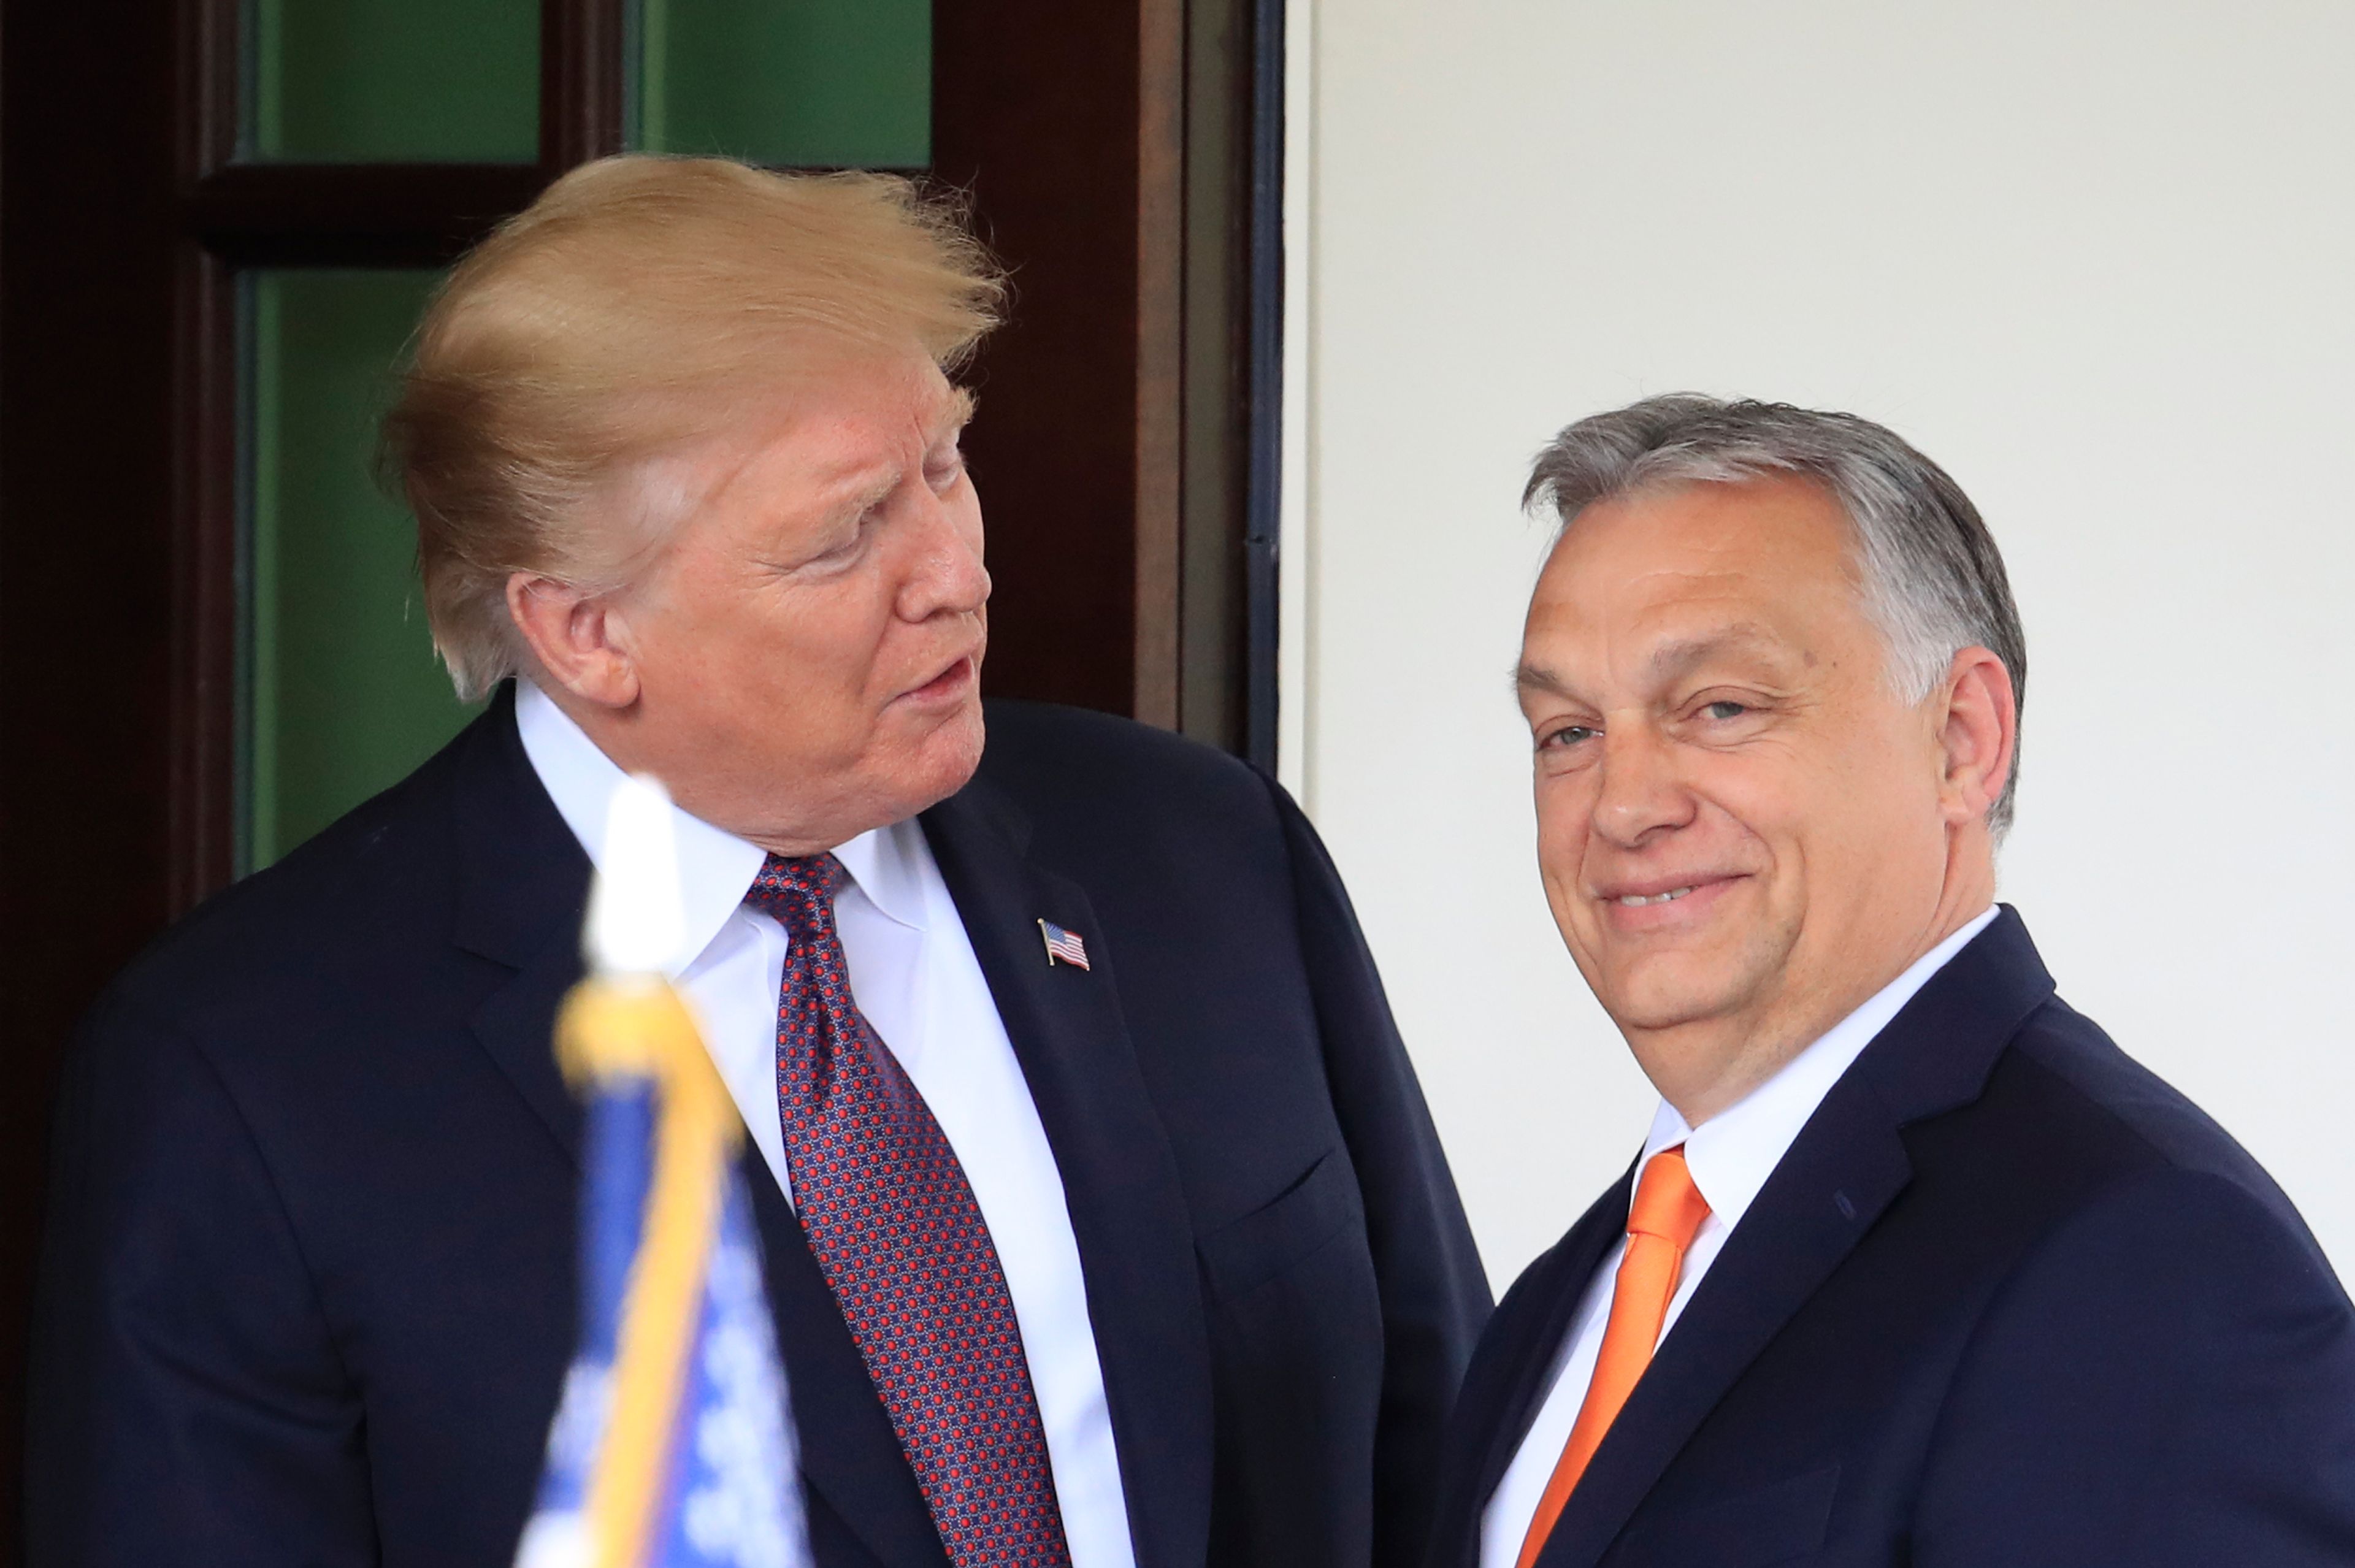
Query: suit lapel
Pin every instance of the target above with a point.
(1844, 1169)
(1120, 1179)
(523, 884)
(1792, 1237)
(1536, 1350)
(516, 1025)
(850, 1454)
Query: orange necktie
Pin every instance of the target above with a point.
(1660, 1224)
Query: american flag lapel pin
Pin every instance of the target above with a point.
(1064, 945)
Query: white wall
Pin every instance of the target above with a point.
(2097, 258)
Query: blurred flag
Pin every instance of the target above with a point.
(671, 1445)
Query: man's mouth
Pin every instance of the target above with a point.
(1637, 900)
(950, 679)
(1697, 891)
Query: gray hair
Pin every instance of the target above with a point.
(1932, 581)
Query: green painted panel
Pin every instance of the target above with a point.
(429, 81)
(343, 693)
(795, 83)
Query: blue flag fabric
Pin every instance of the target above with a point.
(731, 1498)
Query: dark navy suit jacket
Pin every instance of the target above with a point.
(308, 1291)
(2009, 1302)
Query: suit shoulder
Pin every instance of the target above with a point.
(2131, 1128)
(2086, 1069)
(368, 883)
(1051, 756)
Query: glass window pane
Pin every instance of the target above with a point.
(425, 80)
(796, 83)
(344, 694)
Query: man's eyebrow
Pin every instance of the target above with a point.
(1537, 678)
(1668, 661)
(856, 491)
(1672, 659)
(955, 413)
(880, 480)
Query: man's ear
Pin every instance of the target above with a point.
(581, 640)
(1978, 733)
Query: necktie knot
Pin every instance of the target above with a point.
(798, 891)
(1667, 1205)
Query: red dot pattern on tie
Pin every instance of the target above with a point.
(901, 1242)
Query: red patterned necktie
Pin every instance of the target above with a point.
(900, 1241)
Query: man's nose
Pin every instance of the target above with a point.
(947, 575)
(1640, 793)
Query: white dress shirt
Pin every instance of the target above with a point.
(1729, 1156)
(913, 974)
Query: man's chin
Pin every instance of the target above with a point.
(942, 759)
(1660, 996)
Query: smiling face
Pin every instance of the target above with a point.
(804, 651)
(1743, 831)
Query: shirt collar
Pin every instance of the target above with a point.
(715, 867)
(884, 862)
(1731, 1155)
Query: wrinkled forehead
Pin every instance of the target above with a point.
(904, 407)
(1779, 536)
(839, 413)
(1728, 566)
(819, 438)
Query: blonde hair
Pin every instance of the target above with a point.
(618, 316)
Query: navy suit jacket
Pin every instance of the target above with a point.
(2009, 1301)
(308, 1291)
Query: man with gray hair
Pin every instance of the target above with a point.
(1915, 1267)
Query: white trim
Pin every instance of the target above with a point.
(1296, 495)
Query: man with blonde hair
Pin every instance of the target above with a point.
(1103, 1219)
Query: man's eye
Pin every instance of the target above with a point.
(1568, 735)
(1725, 710)
(848, 542)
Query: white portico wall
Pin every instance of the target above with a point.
(2097, 258)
